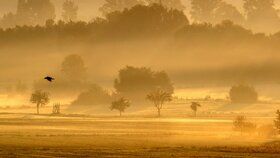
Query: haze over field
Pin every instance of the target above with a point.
(139, 78)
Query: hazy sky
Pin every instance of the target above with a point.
(89, 8)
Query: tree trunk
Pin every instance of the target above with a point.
(38, 106)
(158, 112)
(120, 113)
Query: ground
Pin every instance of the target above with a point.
(27, 135)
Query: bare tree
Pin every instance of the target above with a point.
(120, 105)
(40, 98)
(159, 97)
(194, 107)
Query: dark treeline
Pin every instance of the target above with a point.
(140, 21)
(197, 47)
(258, 15)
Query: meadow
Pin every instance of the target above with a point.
(73, 135)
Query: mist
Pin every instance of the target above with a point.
(139, 78)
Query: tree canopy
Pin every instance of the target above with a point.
(136, 83)
(243, 94)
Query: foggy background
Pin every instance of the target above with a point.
(203, 59)
(89, 8)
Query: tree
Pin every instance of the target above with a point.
(39, 98)
(33, 12)
(158, 98)
(73, 68)
(171, 4)
(194, 107)
(121, 105)
(227, 11)
(135, 83)
(204, 10)
(242, 125)
(277, 121)
(70, 11)
(261, 15)
(8, 20)
(56, 109)
(243, 94)
(118, 5)
(143, 21)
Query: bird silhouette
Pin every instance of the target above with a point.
(50, 79)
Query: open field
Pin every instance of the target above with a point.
(26, 135)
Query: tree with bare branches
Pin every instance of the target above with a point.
(40, 98)
(159, 97)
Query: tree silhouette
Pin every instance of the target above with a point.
(135, 83)
(70, 11)
(33, 12)
(56, 109)
(121, 105)
(204, 10)
(8, 20)
(158, 98)
(118, 5)
(243, 94)
(261, 15)
(227, 11)
(74, 69)
(171, 4)
(194, 107)
(95, 95)
(277, 121)
(39, 98)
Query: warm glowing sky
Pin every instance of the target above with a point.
(89, 8)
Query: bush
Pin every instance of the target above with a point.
(96, 95)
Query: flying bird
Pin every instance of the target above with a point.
(50, 79)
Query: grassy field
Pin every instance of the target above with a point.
(26, 135)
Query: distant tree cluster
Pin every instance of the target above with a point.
(71, 77)
(243, 94)
(260, 15)
(94, 96)
(135, 83)
(133, 86)
(70, 11)
(120, 5)
(37, 12)
(29, 12)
